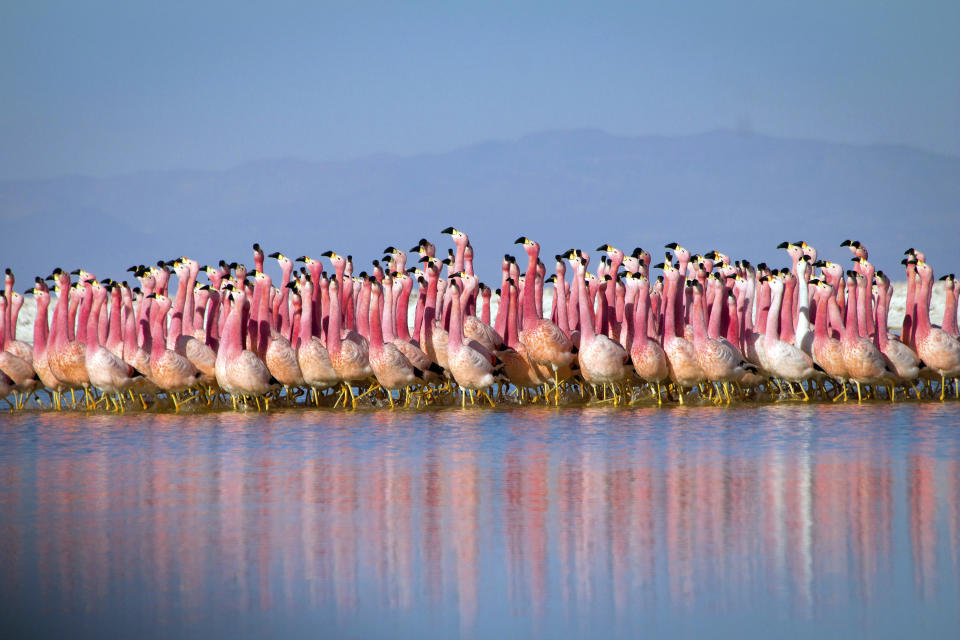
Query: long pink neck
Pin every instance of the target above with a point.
(175, 329)
(949, 323)
(388, 312)
(641, 318)
(213, 325)
(93, 340)
(786, 312)
(909, 312)
(485, 312)
(129, 330)
(529, 293)
(363, 311)
(850, 331)
(333, 329)
(403, 329)
(86, 303)
(306, 321)
(455, 336)
(500, 323)
(922, 309)
(587, 333)
(158, 317)
(820, 323)
(880, 336)
(763, 306)
(263, 317)
(115, 334)
(41, 331)
(697, 319)
(771, 335)
(716, 312)
(231, 342)
(376, 328)
(71, 331)
(511, 312)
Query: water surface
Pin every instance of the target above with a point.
(783, 521)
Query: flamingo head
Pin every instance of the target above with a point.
(682, 254)
(459, 237)
(282, 260)
(8, 278)
(530, 246)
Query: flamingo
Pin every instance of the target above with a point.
(66, 355)
(899, 358)
(720, 361)
(107, 372)
(602, 360)
(348, 358)
(546, 344)
(863, 360)
(826, 350)
(783, 359)
(391, 368)
(938, 350)
(240, 372)
(318, 372)
(649, 360)
(685, 370)
(170, 371)
(471, 369)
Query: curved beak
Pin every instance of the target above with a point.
(275, 254)
(520, 240)
(448, 231)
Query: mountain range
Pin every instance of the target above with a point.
(738, 193)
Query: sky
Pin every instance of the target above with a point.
(109, 87)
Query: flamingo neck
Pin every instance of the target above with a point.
(455, 335)
(641, 319)
(529, 292)
(850, 331)
(772, 333)
(375, 328)
(158, 316)
(586, 321)
(388, 314)
(333, 328)
(880, 336)
(213, 326)
(511, 311)
(41, 331)
(403, 330)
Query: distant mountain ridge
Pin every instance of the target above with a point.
(739, 193)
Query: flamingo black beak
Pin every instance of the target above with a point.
(783, 245)
(845, 243)
(275, 254)
(520, 240)
(672, 245)
(448, 231)
(256, 247)
(390, 250)
(75, 272)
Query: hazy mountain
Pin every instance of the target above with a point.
(742, 194)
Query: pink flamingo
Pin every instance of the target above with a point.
(348, 358)
(938, 350)
(649, 360)
(169, 370)
(827, 352)
(471, 369)
(718, 359)
(240, 372)
(107, 372)
(546, 344)
(863, 360)
(391, 368)
(318, 372)
(783, 359)
(682, 361)
(899, 358)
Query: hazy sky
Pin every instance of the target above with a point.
(116, 86)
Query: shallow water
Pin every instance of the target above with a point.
(782, 520)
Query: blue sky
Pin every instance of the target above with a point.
(110, 87)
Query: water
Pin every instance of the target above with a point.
(777, 521)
